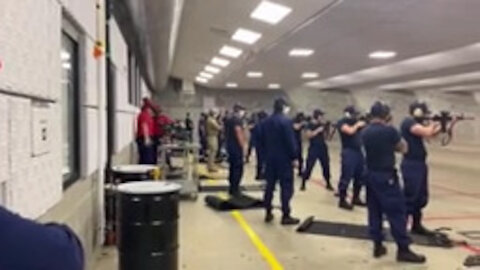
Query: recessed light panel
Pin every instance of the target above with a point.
(270, 12)
(220, 62)
(297, 52)
(382, 55)
(230, 51)
(232, 85)
(206, 75)
(254, 74)
(274, 86)
(212, 69)
(246, 36)
(310, 75)
(201, 80)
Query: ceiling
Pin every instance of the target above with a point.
(433, 39)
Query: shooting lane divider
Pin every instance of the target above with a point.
(465, 246)
(264, 251)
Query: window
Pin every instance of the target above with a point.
(134, 81)
(69, 102)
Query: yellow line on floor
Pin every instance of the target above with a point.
(257, 242)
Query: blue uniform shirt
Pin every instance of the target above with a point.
(352, 142)
(231, 135)
(298, 132)
(416, 146)
(278, 138)
(319, 139)
(379, 142)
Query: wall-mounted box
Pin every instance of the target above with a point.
(40, 128)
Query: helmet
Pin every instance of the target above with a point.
(419, 109)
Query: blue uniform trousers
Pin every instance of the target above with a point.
(300, 156)
(235, 160)
(385, 197)
(147, 153)
(260, 162)
(319, 153)
(353, 166)
(281, 172)
(415, 177)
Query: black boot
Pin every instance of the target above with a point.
(358, 202)
(329, 187)
(345, 205)
(268, 217)
(289, 220)
(379, 250)
(410, 257)
(303, 187)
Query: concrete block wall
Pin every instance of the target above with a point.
(30, 72)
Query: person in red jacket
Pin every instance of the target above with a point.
(145, 134)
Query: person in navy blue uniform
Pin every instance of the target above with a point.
(384, 194)
(251, 122)
(259, 149)
(278, 139)
(236, 148)
(318, 149)
(414, 166)
(27, 245)
(353, 161)
(299, 124)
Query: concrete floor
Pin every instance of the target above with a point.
(216, 241)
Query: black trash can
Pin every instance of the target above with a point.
(148, 225)
(133, 172)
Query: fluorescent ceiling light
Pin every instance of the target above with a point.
(274, 86)
(220, 61)
(382, 55)
(213, 70)
(232, 85)
(254, 74)
(271, 13)
(205, 75)
(246, 36)
(67, 66)
(230, 51)
(301, 52)
(310, 75)
(201, 80)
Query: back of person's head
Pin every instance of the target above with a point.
(380, 110)
(281, 106)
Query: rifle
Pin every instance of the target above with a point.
(445, 118)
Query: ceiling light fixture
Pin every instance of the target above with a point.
(270, 12)
(230, 51)
(297, 52)
(254, 74)
(220, 61)
(246, 36)
(205, 75)
(274, 86)
(213, 70)
(382, 55)
(310, 75)
(232, 85)
(201, 80)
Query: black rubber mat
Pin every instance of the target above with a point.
(240, 202)
(224, 188)
(312, 226)
(472, 261)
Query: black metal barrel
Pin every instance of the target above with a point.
(148, 225)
